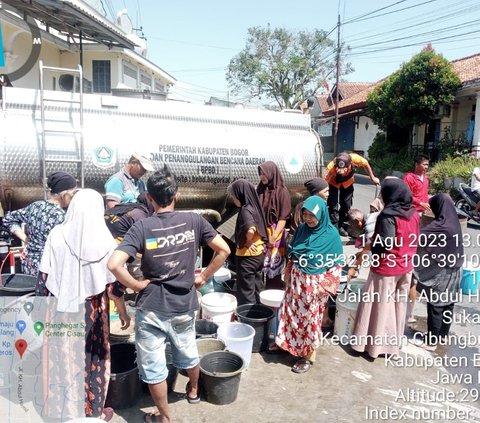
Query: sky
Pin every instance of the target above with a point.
(194, 41)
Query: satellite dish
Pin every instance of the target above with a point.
(124, 22)
(140, 44)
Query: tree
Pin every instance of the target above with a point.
(282, 66)
(412, 94)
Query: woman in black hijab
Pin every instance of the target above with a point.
(250, 238)
(276, 205)
(380, 319)
(439, 271)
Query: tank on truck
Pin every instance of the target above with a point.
(206, 147)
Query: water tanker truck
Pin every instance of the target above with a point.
(207, 147)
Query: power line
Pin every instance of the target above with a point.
(139, 15)
(424, 42)
(437, 31)
(389, 13)
(373, 11)
(433, 20)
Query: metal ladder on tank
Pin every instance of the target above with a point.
(76, 132)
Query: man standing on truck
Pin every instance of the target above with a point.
(340, 177)
(125, 186)
(165, 310)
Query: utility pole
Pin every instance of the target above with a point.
(335, 127)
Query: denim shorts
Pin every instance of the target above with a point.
(152, 331)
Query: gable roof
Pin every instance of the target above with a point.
(467, 69)
(324, 102)
(349, 89)
(356, 101)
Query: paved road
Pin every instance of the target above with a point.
(342, 387)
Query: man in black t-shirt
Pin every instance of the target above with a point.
(169, 243)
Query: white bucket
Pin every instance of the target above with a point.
(272, 297)
(345, 313)
(197, 312)
(218, 307)
(238, 338)
(222, 275)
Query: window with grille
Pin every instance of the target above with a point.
(145, 81)
(101, 76)
(159, 86)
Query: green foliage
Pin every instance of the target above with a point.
(385, 156)
(410, 95)
(454, 147)
(281, 65)
(452, 167)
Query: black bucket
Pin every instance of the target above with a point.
(205, 329)
(125, 386)
(204, 346)
(259, 317)
(16, 284)
(221, 371)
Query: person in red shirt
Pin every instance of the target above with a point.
(417, 181)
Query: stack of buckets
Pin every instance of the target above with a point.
(221, 370)
(218, 307)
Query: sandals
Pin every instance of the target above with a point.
(302, 366)
(192, 400)
(273, 349)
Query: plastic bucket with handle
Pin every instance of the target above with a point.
(218, 307)
(238, 337)
(220, 372)
(345, 312)
(260, 318)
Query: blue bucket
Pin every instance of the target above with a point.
(470, 279)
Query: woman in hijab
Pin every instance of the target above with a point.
(40, 217)
(250, 237)
(380, 318)
(312, 274)
(439, 270)
(74, 270)
(315, 186)
(276, 205)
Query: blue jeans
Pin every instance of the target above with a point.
(152, 331)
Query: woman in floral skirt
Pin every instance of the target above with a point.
(312, 274)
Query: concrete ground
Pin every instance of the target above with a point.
(343, 387)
